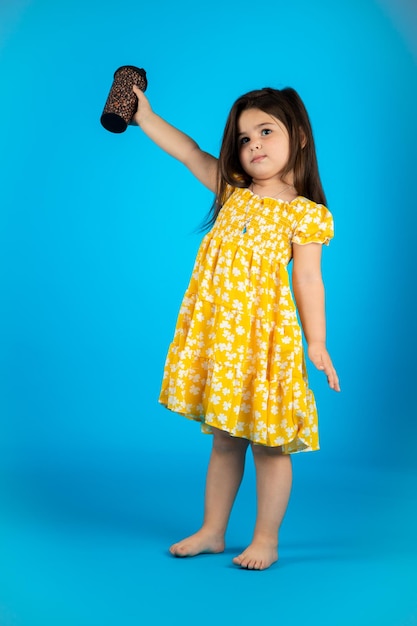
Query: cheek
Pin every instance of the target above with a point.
(242, 155)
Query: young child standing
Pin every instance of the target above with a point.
(236, 363)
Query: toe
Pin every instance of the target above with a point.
(173, 548)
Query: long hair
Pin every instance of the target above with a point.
(286, 106)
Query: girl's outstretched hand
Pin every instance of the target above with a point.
(144, 108)
(318, 355)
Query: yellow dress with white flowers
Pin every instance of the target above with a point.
(236, 361)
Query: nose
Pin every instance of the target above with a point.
(255, 144)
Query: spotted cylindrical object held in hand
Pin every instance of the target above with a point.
(122, 102)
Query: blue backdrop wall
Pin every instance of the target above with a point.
(98, 231)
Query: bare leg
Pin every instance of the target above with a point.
(273, 484)
(224, 476)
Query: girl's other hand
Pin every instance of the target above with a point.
(144, 108)
(318, 355)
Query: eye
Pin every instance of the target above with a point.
(243, 140)
(266, 131)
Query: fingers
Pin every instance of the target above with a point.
(143, 108)
(332, 378)
(139, 93)
(323, 363)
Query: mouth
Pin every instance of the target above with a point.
(258, 158)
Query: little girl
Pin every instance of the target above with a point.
(236, 363)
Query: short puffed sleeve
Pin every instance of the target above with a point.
(228, 191)
(314, 226)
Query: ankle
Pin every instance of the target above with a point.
(266, 538)
(212, 531)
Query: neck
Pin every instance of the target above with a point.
(276, 190)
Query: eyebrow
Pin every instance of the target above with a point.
(259, 126)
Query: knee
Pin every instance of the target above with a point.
(225, 443)
(259, 450)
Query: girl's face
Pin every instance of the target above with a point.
(264, 146)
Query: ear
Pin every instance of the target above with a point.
(303, 138)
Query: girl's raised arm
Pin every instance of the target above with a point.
(176, 143)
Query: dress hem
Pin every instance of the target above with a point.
(292, 446)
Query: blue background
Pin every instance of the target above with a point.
(98, 234)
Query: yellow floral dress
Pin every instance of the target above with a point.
(236, 361)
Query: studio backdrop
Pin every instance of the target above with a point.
(98, 231)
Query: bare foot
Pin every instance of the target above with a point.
(259, 555)
(199, 543)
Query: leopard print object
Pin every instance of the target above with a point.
(122, 103)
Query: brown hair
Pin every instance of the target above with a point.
(286, 106)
